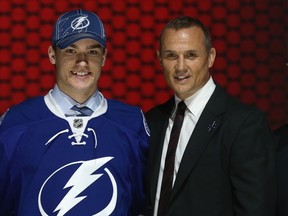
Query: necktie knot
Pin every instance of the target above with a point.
(83, 111)
(181, 108)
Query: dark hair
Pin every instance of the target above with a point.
(182, 22)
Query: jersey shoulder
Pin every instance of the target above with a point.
(129, 116)
(120, 109)
(30, 110)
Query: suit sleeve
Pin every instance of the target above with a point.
(252, 168)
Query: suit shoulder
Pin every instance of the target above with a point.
(241, 107)
(231, 103)
(283, 130)
(231, 110)
(281, 135)
(161, 109)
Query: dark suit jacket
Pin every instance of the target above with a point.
(228, 167)
(282, 169)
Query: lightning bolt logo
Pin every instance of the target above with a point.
(82, 178)
(79, 181)
(80, 23)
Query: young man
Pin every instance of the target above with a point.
(73, 152)
(224, 161)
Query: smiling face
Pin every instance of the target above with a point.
(78, 68)
(185, 60)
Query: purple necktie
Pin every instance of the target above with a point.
(167, 180)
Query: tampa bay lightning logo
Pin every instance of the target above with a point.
(80, 23)
(78, 192)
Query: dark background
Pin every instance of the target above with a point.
(250, 37)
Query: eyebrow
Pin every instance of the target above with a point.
(95, 46)
(185, 51)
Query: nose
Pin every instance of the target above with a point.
(82, 59)
(181, 64)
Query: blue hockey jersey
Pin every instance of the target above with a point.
(56, 165)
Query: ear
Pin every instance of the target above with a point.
(104, 57)
(212, 56)
(51, 54)
(159, 57)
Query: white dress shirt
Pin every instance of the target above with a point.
(195, 105)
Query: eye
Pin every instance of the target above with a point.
(191, 55)
(93, 52)
(171, 56)
(70, 50)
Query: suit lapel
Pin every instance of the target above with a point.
(207, 125)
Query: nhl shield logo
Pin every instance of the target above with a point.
(78, 123)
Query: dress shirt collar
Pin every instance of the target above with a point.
(65, 102)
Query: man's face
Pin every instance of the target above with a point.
(185, 60)
(78, 68)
